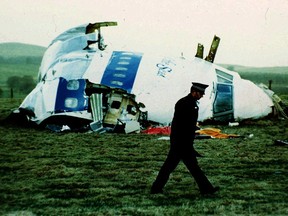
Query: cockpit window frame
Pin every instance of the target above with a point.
(224, 94)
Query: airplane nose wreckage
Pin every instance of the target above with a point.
(83, 83)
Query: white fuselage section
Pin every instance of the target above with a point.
(157, 81)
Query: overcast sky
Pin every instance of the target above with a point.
(253, 33)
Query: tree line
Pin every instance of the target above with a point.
(18, 84)
(21, 60)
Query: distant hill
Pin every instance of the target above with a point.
(278, 76)
(14, 50)
(19, 53)
(18, 59)
(244, 69)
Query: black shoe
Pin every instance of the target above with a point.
(210, 192)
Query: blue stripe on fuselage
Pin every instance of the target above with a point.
(71, 96)
(121, 70)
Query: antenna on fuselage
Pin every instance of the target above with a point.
(213, 49)
(200, 50)
(91, 27)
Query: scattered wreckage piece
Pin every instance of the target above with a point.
(281, 142)
(201, 133)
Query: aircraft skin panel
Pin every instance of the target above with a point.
(60, 48)
(71, 33)
(33, 100)
(121, 70)
(95, 71)
(161, 81)
(71, 96)
(156, 87)
(48, 99)
(41, 100)
(250, 101)
(167, 79)
(70, 67)
(49, 92)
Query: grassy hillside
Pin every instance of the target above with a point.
(20, 60)
(278, 75)
(14, 50)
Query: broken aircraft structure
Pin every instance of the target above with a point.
(84, 83)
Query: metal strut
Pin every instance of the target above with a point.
(92, 27)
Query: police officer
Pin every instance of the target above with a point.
(181, 143)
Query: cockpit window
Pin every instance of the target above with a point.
(223, 77)
(73, 85)
(224, 98)
(223, 104)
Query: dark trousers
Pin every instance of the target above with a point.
(188, 156)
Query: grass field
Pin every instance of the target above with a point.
(46, 173)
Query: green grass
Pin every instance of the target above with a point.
(46, 173)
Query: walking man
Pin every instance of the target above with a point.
(181, 143)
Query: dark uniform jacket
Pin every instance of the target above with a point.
(184, 122)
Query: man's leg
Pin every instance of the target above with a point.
(169, 165)
(202, 181)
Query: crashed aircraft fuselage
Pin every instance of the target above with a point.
(82, 79)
